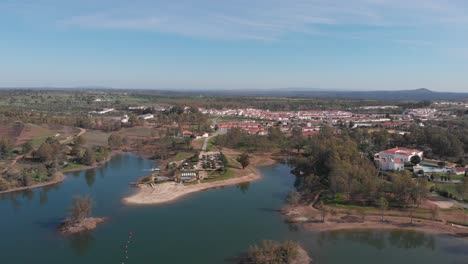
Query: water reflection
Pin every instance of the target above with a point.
(43, 197)
(90, 177)
(28, 194)
(81, 242)
(243, 187)
(381, 240)
(409, 240)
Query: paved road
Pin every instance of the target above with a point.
(205, 143)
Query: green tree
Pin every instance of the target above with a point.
(6, 147)
(45, 152)
(415, 160)
(26, 148)
(244, 160)
(88, 157)
(463, 189)
(297, 139)
(80, 141)
(293, 198)
(271, 252)
(114, 141)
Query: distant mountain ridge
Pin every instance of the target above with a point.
(397, 95)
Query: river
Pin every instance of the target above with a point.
(207, 227)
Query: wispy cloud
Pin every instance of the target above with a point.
(413, 42)
(249, 19)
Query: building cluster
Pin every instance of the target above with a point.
(250, 127)
(423, 113)
(279, 115)
(451, 103)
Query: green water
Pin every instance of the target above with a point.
(207, 227)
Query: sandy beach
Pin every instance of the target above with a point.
(170, 191)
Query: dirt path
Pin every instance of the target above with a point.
(13, 162)
(82, 131)
(55, 181)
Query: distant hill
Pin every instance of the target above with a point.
(417, 94)
(397, 95)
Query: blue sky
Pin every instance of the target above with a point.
(235, 44)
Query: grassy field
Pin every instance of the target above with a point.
(95, 138)
(198, 143)
(35, 134)
(136, 132)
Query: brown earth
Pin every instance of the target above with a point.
(89, 223)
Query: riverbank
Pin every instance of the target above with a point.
(60, 176)
(170, 191)
(311, 221)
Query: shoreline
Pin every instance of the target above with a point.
(87, 224)
(171, 191)
(372, 222)
(58, 179)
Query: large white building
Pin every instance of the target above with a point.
(395, 158)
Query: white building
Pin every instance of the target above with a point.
(103, 111)
(147, 116)
(124, 119)
(395, 158)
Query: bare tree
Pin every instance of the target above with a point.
(383, 205)
(434, 212)
(81, 208)
(323, 211)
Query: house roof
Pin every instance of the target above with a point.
(401, 151)
(460, 169)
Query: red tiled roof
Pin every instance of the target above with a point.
(402, 151)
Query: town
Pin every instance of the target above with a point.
(400, 165)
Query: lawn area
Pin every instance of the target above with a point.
(181, 156)
(354, 207)
(210, 145)
(72, 166)
(232, 161)
(450, 188)
(136, 132)
(229, 173)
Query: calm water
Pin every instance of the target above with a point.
(207, 227)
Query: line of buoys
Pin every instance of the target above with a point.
(130, 235)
